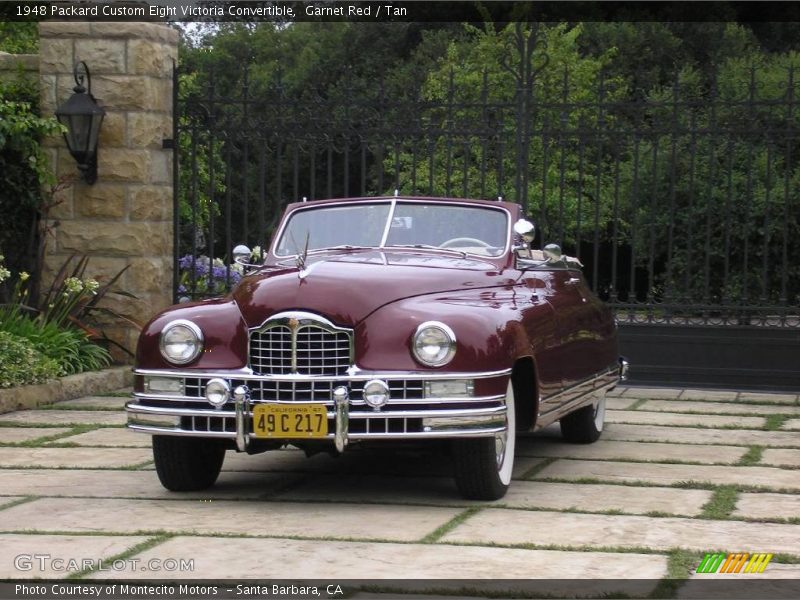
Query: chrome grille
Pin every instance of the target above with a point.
(321, 352)
(271, 351)
(291, 391)
(305, 349)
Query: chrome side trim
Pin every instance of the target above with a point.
(356, 375)
(602, 382)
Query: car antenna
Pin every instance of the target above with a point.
(499, 198)
(396, 192)
(305, 198)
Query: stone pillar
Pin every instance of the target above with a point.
(125, 218)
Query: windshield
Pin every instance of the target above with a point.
(471, 229)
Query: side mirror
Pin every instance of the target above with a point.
(525, 229)
(552, 252)
(241, 255)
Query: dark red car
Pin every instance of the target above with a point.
(378, 319)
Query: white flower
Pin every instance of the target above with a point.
(24, 275)
(4, 273)
(73, 285)
(218, 262)
(91, 286)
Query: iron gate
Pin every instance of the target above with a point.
(683, 205)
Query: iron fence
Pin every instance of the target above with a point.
(682, 202)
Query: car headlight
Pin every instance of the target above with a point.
(181, 342)
(434, 344)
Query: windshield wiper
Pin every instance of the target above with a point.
(429, 247)
(341, 247)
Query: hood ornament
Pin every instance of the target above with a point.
(300, 260)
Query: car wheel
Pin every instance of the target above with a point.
(483, 466)
(187, 464)
(585, 425)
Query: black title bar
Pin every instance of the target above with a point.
(401, 11)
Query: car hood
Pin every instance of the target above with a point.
(346, 287)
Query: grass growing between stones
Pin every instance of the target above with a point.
(775, 422)
(36, 442)
(637, 404)
(681, 485)
(629, 459)
(751, 457)
(126, 554)
(17, 502)
(680, 565)
(446, 528)
(722, 503)
(539, 467)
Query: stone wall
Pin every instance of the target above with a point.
(14, 65)
(125, 218)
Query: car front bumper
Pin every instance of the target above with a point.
(409, 414)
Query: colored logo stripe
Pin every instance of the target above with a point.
(737, 562)
(758, 563)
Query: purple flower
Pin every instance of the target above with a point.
(185, 262)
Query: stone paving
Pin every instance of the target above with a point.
(676, 474)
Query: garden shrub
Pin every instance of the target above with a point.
(71, 349)
(21, 363)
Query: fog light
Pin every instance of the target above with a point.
(455, 388)
(218, 392)
(376, 393)
(164, 385)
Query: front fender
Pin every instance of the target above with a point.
(488, 331)
(224, 334)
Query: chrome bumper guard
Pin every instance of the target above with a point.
(485, 419)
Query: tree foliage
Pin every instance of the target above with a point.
(664, 154)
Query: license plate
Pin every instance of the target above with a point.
(290, 420)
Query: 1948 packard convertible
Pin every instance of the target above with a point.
(374, 319)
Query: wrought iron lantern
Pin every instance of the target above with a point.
(82, 117)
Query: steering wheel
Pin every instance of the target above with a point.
(459, 241)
